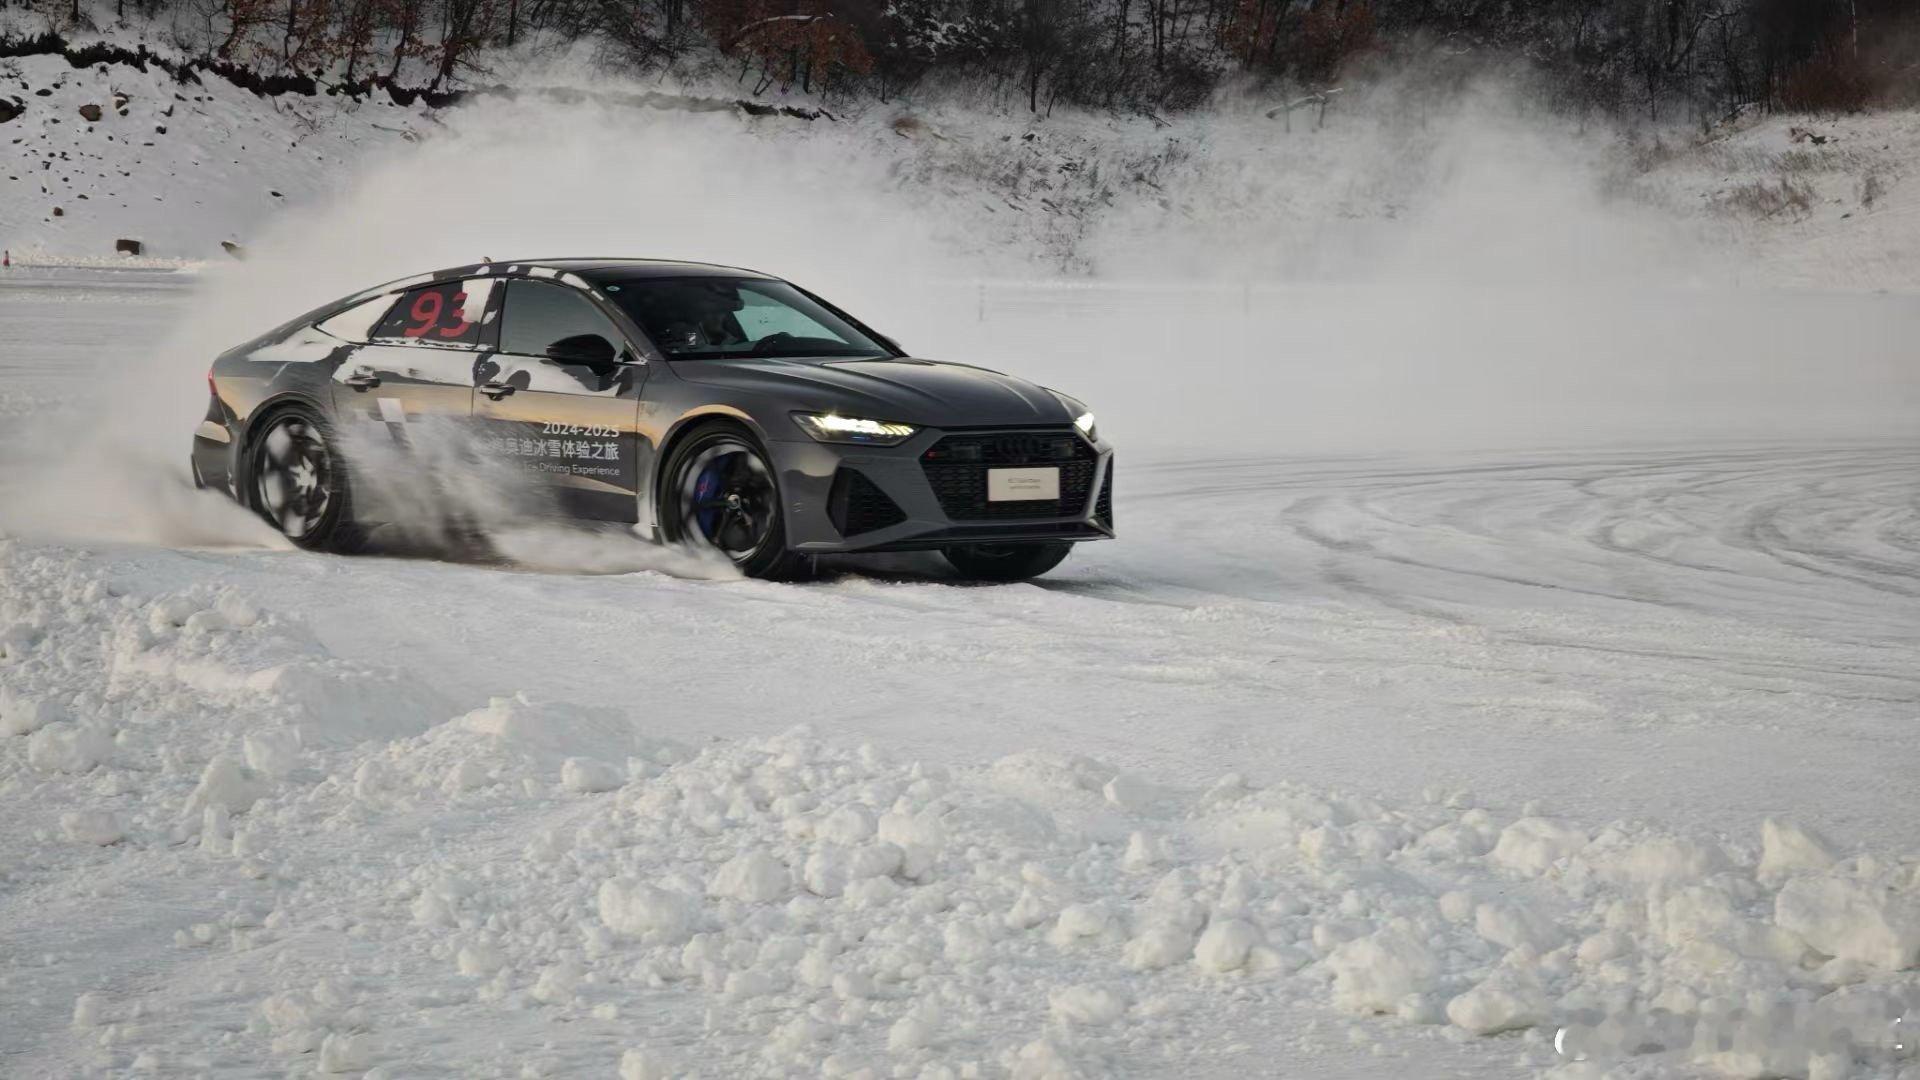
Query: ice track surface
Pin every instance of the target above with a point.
(1403, 659)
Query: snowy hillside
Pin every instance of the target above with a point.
(1782, 201)
(178, 167)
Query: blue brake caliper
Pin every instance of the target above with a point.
(706, 488)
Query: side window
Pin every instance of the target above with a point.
(357, 322)
(450, 313)
(538, 314)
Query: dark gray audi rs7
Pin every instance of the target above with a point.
(707, 405)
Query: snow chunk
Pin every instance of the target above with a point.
(1489, 1009)
(1144, 852)
(637, 909)
(640, 1064)
(1087, 1005)
(919, 837)
(228, 784)
(272, 753)
(754, 876)
(546, 732)
(848, 825)
(89, 1010)
(1513, 923)
(831, 868)
(585, 776)
(910, 1033)
(1666, 860)
(1225, 945)
(17, 640)
(1158, 946)
(557, 982)
(479, 959)
(98, 827)
(1042, 1060)
(65, 747)
(1851, 920)
(171, 612)
(1531, 845)
(1787, 849)
(206, 622)
(22, 715)
(966, 942)
(1599, 948)
(341, 1053)
(1078, 922)
(1375, 973)
(912, 830)
(465, 775)
(237, 609)
(1128, 793)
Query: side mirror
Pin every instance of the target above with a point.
(583, 349)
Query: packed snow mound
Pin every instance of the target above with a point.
(864, 915)
(193, 699)
(791, 906)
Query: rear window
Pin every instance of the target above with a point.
(450, 313)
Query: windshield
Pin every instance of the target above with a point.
(705, 318)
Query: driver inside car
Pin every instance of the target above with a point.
(697, 316)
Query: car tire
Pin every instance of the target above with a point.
(1005, 562)
(720, 493)
(296, 480)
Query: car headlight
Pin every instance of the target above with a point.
(1087, 426)
(834, 428)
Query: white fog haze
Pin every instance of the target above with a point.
(1506, 296)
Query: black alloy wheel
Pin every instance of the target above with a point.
(724, 495)
(296, 481)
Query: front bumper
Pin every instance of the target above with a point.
(849, 498)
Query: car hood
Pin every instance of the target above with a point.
(926, 393)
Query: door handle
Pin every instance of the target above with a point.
(498, 390)
(363, 381)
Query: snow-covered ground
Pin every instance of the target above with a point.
(1402, 759)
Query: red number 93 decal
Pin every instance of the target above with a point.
(430, 307)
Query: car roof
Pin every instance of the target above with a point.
(616, 268)
(585, 269)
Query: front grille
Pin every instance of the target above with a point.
(957, 467)
(857, 505)
(1103, 506)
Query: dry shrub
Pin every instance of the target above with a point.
(1764, 200)
(1872, 187)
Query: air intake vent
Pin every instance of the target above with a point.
(857, 505)
(1103, 506)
